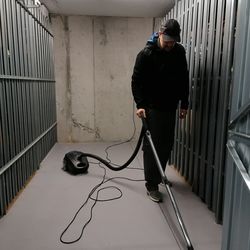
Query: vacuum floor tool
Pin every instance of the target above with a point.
(71, 162)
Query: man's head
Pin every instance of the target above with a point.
(169, 34)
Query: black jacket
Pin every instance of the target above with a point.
(160, 78)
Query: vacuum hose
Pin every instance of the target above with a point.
(132, 157)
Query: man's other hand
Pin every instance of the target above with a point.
(141, 113)
(183, 113)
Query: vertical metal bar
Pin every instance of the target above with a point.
(10, 99)
(13, 87)
(19, 30)
(226, 62)
(184, 123)
(218, 45)
(205, 102)
(15, 38)
(226, 237)
(28, 93)
(24, 43)
(4, 38)
(5, 128)
(1, 133)
(25, 71)
(7, 186)
(47, 55)
(1, 43)
(9, 94)
(193, 91)
(31, 87)
(211, 121)
(178, 131)
(188, 119)
(41, 83)
(3, 101)
(48, 114)
(10, 37)
(197, 87)
(202, 71)
(2, 196)
(40, 76)
(2, 61)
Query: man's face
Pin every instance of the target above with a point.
(167, 45)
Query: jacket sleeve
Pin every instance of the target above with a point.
(138, 79)
(185, 82)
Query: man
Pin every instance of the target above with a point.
(159, 83)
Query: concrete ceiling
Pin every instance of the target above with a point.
(121, 8)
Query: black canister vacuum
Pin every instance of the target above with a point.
(76, 162)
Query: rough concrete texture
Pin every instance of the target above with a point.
(94, 62)
(62, 97)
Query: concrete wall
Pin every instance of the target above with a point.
(94, 59)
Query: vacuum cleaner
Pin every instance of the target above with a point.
(75, 162)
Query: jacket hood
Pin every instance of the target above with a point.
(153, 39)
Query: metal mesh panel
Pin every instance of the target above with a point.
(27, 94)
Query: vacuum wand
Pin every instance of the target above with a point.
(167, 185)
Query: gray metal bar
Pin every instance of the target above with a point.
(8, 84)
(34, 17)
(188, 119)
(24, 44)
(31, 86)
(1, 135)
(4, 37)
(17, 157)
(178, 134)
(243, 111)
(210, 96)
(225, 86)
(205, 166)
(5, 128)
(242, 170)
(10, 37)
(1, 44)
(182, 122)
(3, 204)
(43, 54)
(197, 76)
(12, 87)
(19, 37)
(193, 91)
(175, 147)
(219, 145)
(240, 137)
(203, 113)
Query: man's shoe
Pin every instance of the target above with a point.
(155, 195)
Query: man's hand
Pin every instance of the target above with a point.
(141, 113)
(183, 113)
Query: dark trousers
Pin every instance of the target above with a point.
(161, 125)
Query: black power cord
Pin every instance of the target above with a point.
(96, 199)
(98, 188)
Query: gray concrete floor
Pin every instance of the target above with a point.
(133, 222)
